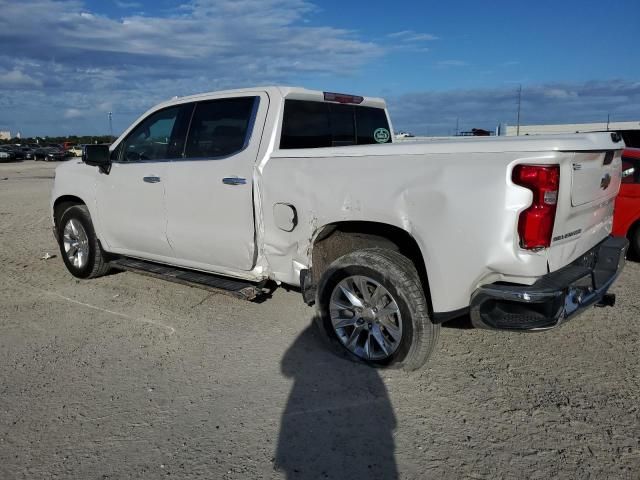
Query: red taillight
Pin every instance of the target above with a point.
(535, 224)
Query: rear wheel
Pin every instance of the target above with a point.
(80, 249)
(372, 305)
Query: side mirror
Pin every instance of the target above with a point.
(97, 156)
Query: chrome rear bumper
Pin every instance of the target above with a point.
(554, 298)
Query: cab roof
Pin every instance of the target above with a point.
(297, 93)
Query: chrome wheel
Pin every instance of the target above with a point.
(76, 243)
(366, 318)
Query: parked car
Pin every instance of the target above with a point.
(75, 150)
(626, 218)
(6, 154)
(232, 189)
(55, 155)
(40, 153)
(17, 151)
(28, 152)
(50, 154)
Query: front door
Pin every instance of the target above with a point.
(209, 194)
(131, 201)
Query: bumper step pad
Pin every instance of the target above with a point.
(554, 298)
(228, 286)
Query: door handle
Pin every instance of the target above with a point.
(234, 181)
(151, 179)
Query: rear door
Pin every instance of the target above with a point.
(589, 183)
(210, 217)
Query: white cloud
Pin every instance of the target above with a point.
(559, 93)
(127, 5)
(16, 79)
(71, 113)
(87, 58)
(452, 63)
(436, 113)
(411, 36)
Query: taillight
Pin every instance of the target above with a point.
(535, 224)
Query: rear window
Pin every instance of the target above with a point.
(317, 124)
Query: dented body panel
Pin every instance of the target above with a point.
(454, 198)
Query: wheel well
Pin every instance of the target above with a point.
(64, 202)
(338, 239)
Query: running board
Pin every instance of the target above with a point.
(229, 286)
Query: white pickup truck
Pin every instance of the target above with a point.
(231, 190)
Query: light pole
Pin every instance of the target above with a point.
(519, 102)
(110, 125)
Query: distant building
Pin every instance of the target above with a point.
(5, 135)
(572, 128)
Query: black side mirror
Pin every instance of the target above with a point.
(97, 156)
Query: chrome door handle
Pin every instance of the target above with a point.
(234, 181)
(151, 179)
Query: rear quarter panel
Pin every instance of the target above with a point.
(462, 211)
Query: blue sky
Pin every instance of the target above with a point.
(66, 63)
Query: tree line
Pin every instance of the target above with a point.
(60, 140)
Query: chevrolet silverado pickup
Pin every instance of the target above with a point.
(230, 190)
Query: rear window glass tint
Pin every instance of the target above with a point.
(309, 124)
(305, 125)
(369, 122)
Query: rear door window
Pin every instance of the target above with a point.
(308, 124)
(220, 128)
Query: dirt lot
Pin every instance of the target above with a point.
(132, 377)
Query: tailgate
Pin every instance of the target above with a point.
(589, 183)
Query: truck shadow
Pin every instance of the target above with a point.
(460, 323)
(338, 422)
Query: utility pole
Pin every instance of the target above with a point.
(519, 103)
(110, 125)
(608, 115)
(457, 129)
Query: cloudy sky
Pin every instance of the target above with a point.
(65, 64)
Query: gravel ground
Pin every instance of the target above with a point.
(131, 377)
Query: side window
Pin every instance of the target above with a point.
(219, 127)
(630, 170)
(308, 124)
(160, 136)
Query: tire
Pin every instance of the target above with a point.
(369, 269)
(634, 241)
(75, 230)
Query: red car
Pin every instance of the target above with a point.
(626, 218)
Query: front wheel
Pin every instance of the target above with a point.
(372, 305)
(79, 246)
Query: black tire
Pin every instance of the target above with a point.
(634, 241)
(97, 263)
(397, 274)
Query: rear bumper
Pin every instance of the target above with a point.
(555, 297)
